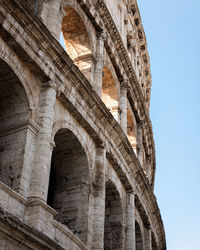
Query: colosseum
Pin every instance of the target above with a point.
(77, 154)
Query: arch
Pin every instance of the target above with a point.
(138, 237)
(14, 118)
(68, 190)
(67, 124)
(113, 226)
(109, 92)
(27, 80)
(77, 40)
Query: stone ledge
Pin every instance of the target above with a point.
(31, 202)
(12, 193)
(19, 230)
(67, 232)
(34, 128)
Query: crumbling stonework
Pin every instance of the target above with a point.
(77, 156)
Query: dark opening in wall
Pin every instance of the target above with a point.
(69, 183)
(138, 237)
(14, 117)
(136, 21)
(113, 229)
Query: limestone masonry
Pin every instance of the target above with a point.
(77, 154)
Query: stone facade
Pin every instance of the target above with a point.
(77, 155)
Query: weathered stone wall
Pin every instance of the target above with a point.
(78, 182)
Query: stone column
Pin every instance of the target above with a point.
(130, 217)
(31, 134)
(123, 105)
(140, 143)
(99, 199)
(52, 17)
(148, 166)
(98, 73)
(147, 239)
(43, 148)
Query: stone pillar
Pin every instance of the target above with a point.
(52, 17)
(130, 222)
(123, 106)
(99, 199)
(43, 148)
(140, 143)
(98, 73)
(147, 239)
(148, 166)
(31, 134)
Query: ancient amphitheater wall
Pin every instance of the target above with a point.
(71, 141)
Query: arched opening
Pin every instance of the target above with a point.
(14, 117)
(69, 183)
(153, 241)
(131, 129)
(138, 237)
(77, 41)
(109, 93)
(113, 227)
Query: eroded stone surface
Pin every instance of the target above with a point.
(77, 156)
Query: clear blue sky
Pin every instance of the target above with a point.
(173, 33)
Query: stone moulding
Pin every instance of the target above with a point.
(27, 234)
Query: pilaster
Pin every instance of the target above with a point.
(147, 239)
(99, 199)
(130, 223)
(148, 166)
(44, 146)
(123, 105)
(52, 17)
(140, 142)
(97, 83)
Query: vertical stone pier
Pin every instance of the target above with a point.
(44, 146)
(140, 143)
(123, 105)
(97, 83)
(99, 199)
(130, 223)
(147, 239)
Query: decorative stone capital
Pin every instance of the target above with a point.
(148, 158)
(130, 191)
(131, 35)
(140, 124)
(60, 90)
(124, 84)
(101, 35)
(49, 84)
(101, 145)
